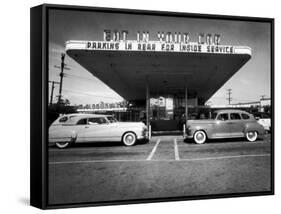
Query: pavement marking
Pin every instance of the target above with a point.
(153, 150)
(227, 157)
(93, 161)
(222, 144)
(177, 156)
(97, 149)
(167, 160)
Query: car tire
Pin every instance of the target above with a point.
(200, 137)
(129, 139)
(252, 136)
(62, 145)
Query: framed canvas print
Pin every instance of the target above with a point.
(132, 106)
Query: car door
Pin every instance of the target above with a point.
(96, 130)
(80, 128)
(115, 129)
(221, 126)
(236, 125)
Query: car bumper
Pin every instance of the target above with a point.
(142, 137)
(189, 134)
(188, 137)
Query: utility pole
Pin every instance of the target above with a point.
(229, 92)
(52, 91)
(62, 67)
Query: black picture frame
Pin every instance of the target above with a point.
(39, 103)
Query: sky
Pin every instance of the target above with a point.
(81, 87)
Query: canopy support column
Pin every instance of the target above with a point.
(147, 104)
(186, 105)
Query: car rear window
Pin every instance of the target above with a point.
(63, 119)
(245, 116)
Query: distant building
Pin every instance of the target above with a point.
(265, 102)
(260, 105)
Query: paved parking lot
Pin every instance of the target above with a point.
(165, 167)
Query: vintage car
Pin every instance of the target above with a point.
(85, 128)
(224, 124)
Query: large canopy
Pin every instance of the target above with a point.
(129, 72)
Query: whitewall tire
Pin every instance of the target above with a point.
(62, 145)
(251, 136)
(129, 139)
(200, 137)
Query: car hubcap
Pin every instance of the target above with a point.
(252, 135)
(129, 139)
(200, 136)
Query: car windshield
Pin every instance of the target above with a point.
(111, 119)
(214, 115)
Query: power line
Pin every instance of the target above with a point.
(217, 98)
(78, 77)
(73, 76)
(88, 94)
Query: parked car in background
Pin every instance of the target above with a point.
(224, 124)
(264, 119)
(85, 128)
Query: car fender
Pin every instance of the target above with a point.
(253, 127)
(136, 131)
(206, 128)
(61, 135)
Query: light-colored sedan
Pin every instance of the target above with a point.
(224, 124)
(85, 128)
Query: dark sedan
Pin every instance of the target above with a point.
(224, 124)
